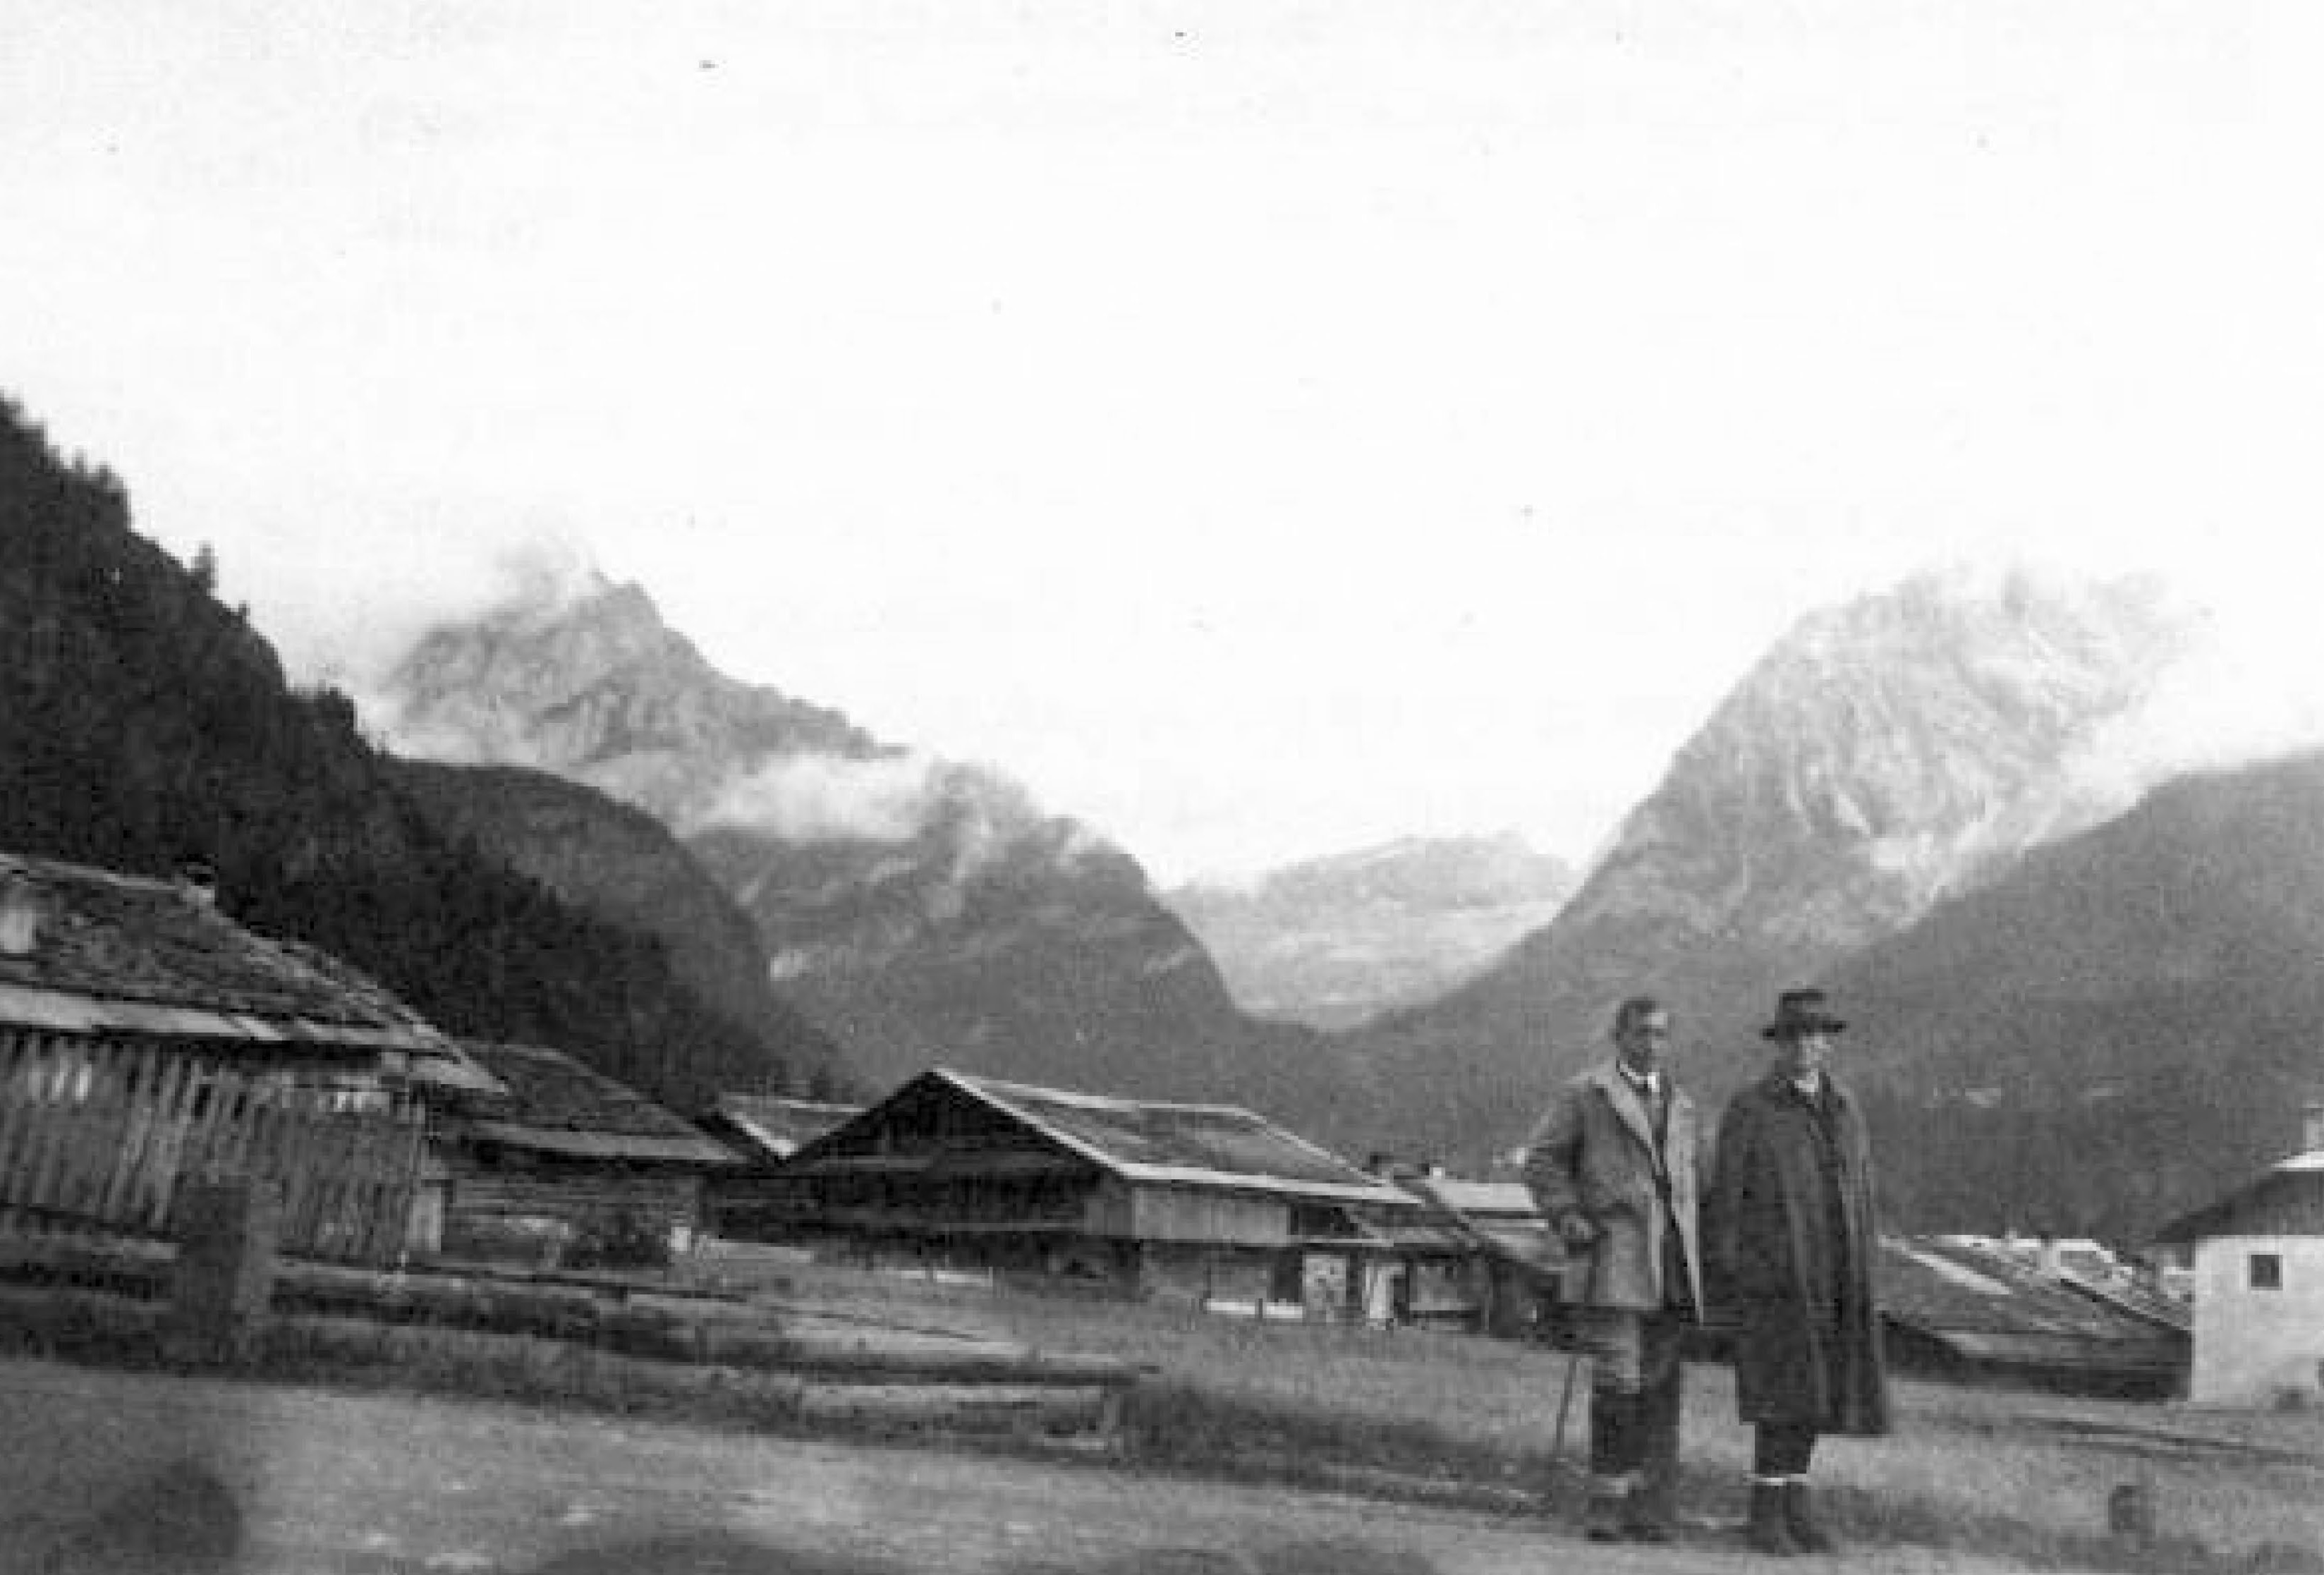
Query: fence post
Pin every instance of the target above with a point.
(227, 1233)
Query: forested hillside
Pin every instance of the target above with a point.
(2114, 1032)
(143, 724)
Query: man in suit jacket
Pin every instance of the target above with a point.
(1613, 1166)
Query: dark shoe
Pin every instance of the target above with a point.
(1770, 1531)
(1799, 1519)
(1602, 1518)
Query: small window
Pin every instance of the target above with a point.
(2266, 1271)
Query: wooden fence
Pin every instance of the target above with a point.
(96, 1134)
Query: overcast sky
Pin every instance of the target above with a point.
(1262, 427)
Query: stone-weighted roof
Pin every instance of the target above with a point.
(87, 950)
(555, 1104)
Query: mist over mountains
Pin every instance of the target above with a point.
(1882, 754)
(1889, 757)
(2081, 980)
(144, 724)
(919, 910)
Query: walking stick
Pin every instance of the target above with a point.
(1576, 1361)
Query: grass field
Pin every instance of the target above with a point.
(2020, 1477)
(2017, 1474)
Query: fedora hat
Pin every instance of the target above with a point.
(1801, 1011)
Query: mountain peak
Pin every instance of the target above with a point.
(1886, 751)
(547, 580)
(574, 673)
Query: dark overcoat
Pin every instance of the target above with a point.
(1790, 1260)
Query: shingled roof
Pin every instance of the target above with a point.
(556, 1105)
(1223, 1147)
(1986, 1308)
(90, 951)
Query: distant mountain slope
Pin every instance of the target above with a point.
(2116, 1029)
(920, 912)
(141, 724)
(624, 866)
(1883, 753)
(1330, 942)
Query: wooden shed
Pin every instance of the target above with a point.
(147, 1039)
(562, 1165)
(1207, 1204)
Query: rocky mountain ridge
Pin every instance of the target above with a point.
(1882, 754)
(920, 911)
(1334, 941)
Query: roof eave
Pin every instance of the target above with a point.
(71, 1012)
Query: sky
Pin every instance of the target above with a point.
(1263, 429)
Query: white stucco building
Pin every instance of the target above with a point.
(2259, 1284)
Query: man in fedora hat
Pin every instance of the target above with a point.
(1612, 1168)
(1790, 1238)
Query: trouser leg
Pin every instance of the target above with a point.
(1782, 1515)
(1781, 1450)
(1612, 1339)
(1613, 1439)
(1613, 1461)
(1661, 1402)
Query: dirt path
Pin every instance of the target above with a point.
(126, 1472)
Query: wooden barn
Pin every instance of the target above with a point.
(146, 1039)
(1207, 1204)
(562, 1165)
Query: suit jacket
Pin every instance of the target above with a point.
(1594, 1154)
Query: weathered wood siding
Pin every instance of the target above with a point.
(99, 1134)
(1198, 1275)
(490, 1210)
(1157, 1213)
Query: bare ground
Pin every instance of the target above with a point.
(138, 1472)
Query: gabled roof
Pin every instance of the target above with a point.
(1148, 1140)
(2286, 1200)
(1221, 1147)
(89, 951)
(777, 1127)
(556, 1105)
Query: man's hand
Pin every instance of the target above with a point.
(1577, 1231)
